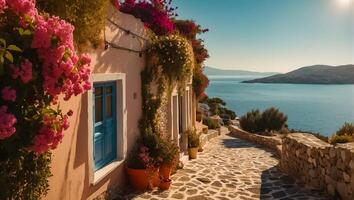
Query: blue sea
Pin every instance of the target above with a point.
(317, 108)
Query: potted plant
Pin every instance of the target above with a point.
(193, 143)
(169, 158)
(165, 184)
(143, 163)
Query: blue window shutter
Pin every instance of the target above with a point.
(105, 124)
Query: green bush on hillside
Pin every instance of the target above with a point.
(217, 106)
(270, 120)
(210, 123)
(344, 134)
(252, 121)
(273, 119)
(340, 139)
(346, 129)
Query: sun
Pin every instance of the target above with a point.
(345, 2)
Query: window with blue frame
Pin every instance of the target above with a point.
(104, 124)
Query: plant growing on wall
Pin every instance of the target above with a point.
(38, 63)
(155, 14)
(169, 62)
(174, 55)
(88, 18)
(191, 30)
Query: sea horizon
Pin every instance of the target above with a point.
(315, 108)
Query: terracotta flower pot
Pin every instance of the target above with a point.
(193, 152)
(139, 178)
(165, 184)
(165, 171)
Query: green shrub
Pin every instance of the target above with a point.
(210, 123)
(341, 139)
(88, 18)
(174, 54)
(344, 134)
(215, 104)
(226, 112)
(269, 120)
(273, 119)
(153, 142)
(150, 145)
(346, 129)
(169, 152)
(25, 176)
(193, 138)
(252, 121)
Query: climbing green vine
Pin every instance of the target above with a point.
(25, 175)
(170, 62)
(87, 16)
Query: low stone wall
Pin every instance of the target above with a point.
(311, 161)
(319, 165)
(204, 138)
(272, 142)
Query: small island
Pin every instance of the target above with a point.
(316, 74)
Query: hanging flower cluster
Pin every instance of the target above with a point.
(191, 30)
(7, 122)
(175, 55)
(51, 133)
(155, 14)
(38, 64)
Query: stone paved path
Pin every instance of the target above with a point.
(230, 168)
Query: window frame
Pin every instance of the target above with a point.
(96, 176)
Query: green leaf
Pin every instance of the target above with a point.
(27, 32)
(14, 48)
(3, 41)
(9, 56)
(20, 30)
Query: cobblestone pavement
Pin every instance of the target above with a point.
(230, 168)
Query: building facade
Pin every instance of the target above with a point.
(104, 128)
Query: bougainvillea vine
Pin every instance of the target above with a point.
(155, 14)
(38, 64)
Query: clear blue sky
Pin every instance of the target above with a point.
(274, 35)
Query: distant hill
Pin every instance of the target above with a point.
(210, 71)
(316, 74)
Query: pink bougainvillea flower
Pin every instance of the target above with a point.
(63, 71)
(156, 14)
(25, 73)
(7, 122)
(23, 7)
(16, 72)
(49, 137)
(2, 5)
(8, 94)
(55, 70)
